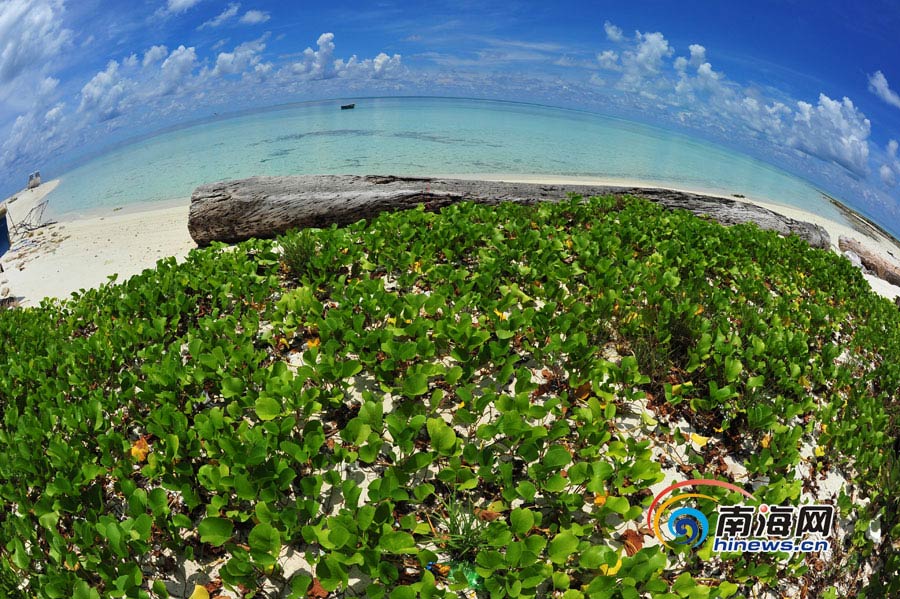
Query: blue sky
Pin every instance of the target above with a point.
(809, 86)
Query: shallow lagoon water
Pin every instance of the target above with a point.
(421, 136)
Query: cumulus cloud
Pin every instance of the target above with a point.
(645, 61)
(154, 55)
(254, 17)
(318, 64)
(321, 64)
(380, 67)
(101, 97)
(243, 58)
(31, 33)
(613, 33)
(878, 85)
(176, 69)
(698, 54)
(833, 130)
(890, 170)
(609, 60)
(223, 17)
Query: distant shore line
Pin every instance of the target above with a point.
(82, 251)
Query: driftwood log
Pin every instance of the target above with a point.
(232, 211)
(878, 265)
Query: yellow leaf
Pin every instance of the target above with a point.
(600, 499)
(140, 449)
(766, 441)
(500, 314)
(700, 440)
(698, 311)
(314, 342)
(199, 593)
(819, 451)
(607, 570)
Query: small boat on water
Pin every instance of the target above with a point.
(348, 106)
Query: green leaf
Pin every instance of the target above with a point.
(617, 504)
(264, 538)
(415, 384)
(404, 592)
(443, 438)
(215, 531)
(397, 542)
(232, 387)
(733, 368)
(557, 457)
(521, 521)
(267, 408)
(561, 547)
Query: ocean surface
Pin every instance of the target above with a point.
(420, 136)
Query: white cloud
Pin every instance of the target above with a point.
(609, 60)
(102, 96)
(613, 33)
(254, 17)
(31, 34)
(154, 55)
(645, 61)
(224, 16)
(244, 57)
(832, 130)
(878, 85)
(380, 67)
(47, 86)
(698, 54)
(890, 171)
(318, 64)
(176, 70)
(179, 6)
(321, 64)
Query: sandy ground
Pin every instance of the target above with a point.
(60, 258)
(67, 256)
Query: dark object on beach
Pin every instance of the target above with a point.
(348, 106)
(34, 179)
(878, 265)
(5, 241)
(739, 196)
(265, 207)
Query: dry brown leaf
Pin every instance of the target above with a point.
(316, 591)
(140, 449)
(487, 515)
(583, 391)
(633, 541)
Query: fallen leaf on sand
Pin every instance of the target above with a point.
(140, 449)
(199, 592)
(316, 591)
(633, 542)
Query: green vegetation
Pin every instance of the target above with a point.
(229, 408)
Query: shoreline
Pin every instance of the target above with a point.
(82, 250)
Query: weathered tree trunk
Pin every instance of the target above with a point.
(881, 267)
(232, 211)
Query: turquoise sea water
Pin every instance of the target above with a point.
(420, 136)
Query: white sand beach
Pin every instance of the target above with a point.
(60, 258)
